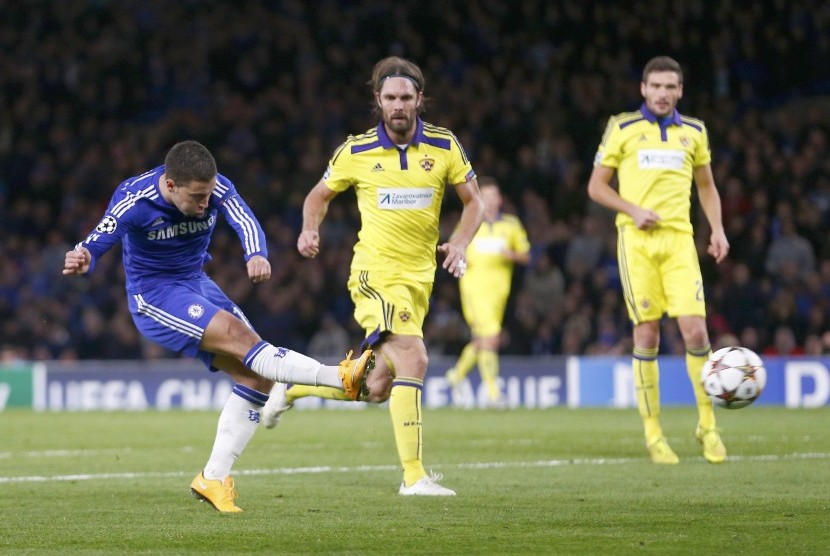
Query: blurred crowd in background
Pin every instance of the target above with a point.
(92, 92)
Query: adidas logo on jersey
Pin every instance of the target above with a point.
(377, 168)
(157, 221)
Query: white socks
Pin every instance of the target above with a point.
(283, 365)
(237, 424)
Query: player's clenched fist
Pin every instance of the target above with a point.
(77, 261)
(308, 244)
(259, 269)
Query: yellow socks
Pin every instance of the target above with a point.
(695, 358)
(647, 385)
(301, 391)
(405, 410)
(488, 366)
(465, 362)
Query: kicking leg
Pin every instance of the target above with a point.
(377, 387)
(227, 335)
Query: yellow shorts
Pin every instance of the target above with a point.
(660, 273)
(483, 304)
(389, 302)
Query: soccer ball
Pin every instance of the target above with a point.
(733, 377)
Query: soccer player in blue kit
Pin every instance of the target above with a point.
(165, 218)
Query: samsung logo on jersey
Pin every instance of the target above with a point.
(661, 159)
(180, 229)
(405, 198)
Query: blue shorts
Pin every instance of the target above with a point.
(176, 314)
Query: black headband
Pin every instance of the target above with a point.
(405, 76)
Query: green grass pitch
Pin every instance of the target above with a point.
(554, 481)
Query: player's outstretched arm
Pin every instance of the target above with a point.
(77, 261)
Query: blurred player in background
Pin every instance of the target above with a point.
(500, 243)
(165, 218)
(400, 170)
(656, 153)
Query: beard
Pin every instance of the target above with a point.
(400, 124)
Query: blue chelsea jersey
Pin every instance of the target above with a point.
(160, 243)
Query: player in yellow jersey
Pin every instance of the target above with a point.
(657, 153)
(500, 242)
(400, 171)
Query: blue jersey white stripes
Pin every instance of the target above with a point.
(160, 243)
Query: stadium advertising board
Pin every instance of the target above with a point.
(608, 382)
(130, 386)
(15, 386)
(524, 382)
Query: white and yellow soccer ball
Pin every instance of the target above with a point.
(733, 377)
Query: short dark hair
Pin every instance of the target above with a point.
(189, 161)
(662, 63)
(395, 66)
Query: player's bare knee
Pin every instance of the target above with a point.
(226, 334)
(647, 335)
(694, 331)
(379, 384)
(696, 339)
(378, 393)
(421, 362)
(239, 333)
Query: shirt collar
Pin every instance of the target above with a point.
(387, 143)
(668, 120)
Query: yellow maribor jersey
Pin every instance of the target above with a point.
(399, 192)
(485, 262)
(655, 161)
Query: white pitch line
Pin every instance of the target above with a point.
(64, 453)
(375, 468)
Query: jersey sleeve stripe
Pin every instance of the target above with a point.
(339, 150)
(148, 173)
(371, 134)
(460, 150)
(443, 143)
(432, 128)
(130, 199)
(629, 122)
(608, 128)
(220, 190)
(238, 214)
(692, 123)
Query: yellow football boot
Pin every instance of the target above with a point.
(220, 494)
(353, 373)
(661, 452)
(713, 449)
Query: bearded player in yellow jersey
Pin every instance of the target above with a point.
(400, 171)
(500, 243)
(657, 153)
